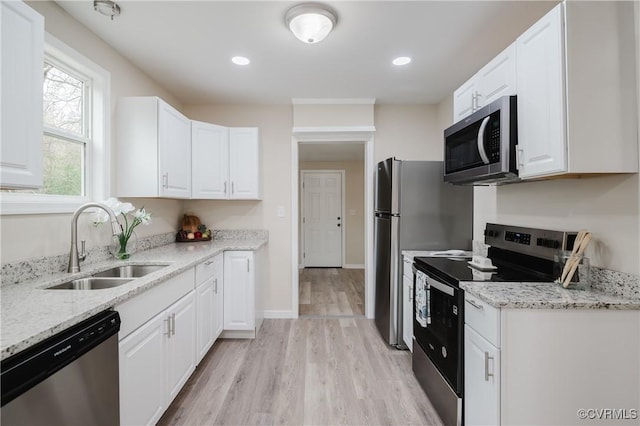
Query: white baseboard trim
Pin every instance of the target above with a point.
(352, 266)
(278, 314)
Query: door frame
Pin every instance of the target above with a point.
(350, 134)
(343, 200)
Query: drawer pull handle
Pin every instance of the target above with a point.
(474, 304)
(215, 286)
(486, 366)
(168, 321)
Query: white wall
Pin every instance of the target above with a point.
(30, 236)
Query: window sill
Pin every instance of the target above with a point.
(17, 204)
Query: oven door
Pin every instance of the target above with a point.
(442, 338)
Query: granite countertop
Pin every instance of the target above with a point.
(428, 253)
(547, 295)
(30, 313)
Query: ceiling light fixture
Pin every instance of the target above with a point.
(240, 60)
(311, 22)
(106, 8)
(401, 60)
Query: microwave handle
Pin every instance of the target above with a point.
(483, 153)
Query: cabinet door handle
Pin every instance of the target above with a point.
(215, 286)
(473, 102)
(165, 180)
(233, 187)
(474, 304)
(168, 322)
(173, 324)
(486, 366)
(225, 186)
(248, 265)
(519, 157)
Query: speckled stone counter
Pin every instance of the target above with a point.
(545, 296)
(30, 313)
(424, 253)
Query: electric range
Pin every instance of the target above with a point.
(518, 254)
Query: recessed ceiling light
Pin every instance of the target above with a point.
(240, 60)
(402, 60)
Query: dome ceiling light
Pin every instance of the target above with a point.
(106, 8)
(311, 22)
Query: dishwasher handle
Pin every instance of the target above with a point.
(27, 368)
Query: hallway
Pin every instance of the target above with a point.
(333, 292)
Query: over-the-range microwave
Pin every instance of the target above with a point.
(481, 149)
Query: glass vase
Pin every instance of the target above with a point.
(122, 248)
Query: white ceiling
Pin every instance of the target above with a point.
(186, 46)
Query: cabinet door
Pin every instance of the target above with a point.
(181, 354)
(218, 296)
(210, 164)
(498, 77)
(174, 151)
(464, 99)
(238, 291)
(142, 357)
(244, 163)
(22, 50)
(481, 380)
(407, 312)
(206, 321)
(541, 100)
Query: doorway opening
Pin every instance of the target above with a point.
(333, 230)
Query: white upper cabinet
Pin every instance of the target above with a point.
(210, 163)
(541, 101)
(22, 52)
(153, 149)
(496, 79)
(244, 164)
(576, 112)
(226, 162)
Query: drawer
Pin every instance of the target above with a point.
(483, 318)
(407, 263)
(141, 308)
(205, 270)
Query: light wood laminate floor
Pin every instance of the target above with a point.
(313, 371)
(331, 292)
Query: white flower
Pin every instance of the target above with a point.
(142, 216)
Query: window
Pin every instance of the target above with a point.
(76, 122)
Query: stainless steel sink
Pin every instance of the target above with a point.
(91, 283)
(130, 271)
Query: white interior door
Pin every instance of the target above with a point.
(322, 219)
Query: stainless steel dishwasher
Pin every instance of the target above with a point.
(69, 379)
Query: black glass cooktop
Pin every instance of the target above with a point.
(453, 271)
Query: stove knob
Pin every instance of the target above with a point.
(444, 352)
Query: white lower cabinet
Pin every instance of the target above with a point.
(157, 349)
(209, 297)
(142, 382)
(541, 366)
(243, 313)
(407, 302)
(482, 380)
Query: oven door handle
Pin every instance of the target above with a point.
(483, 153)
(442, 287)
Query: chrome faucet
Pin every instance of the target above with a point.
(74, 257)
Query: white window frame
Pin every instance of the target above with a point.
(97, 154)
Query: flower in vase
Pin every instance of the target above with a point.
(131, 218)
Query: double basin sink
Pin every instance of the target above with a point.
(110, 278)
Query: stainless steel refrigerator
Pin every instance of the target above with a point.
(414, 210)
